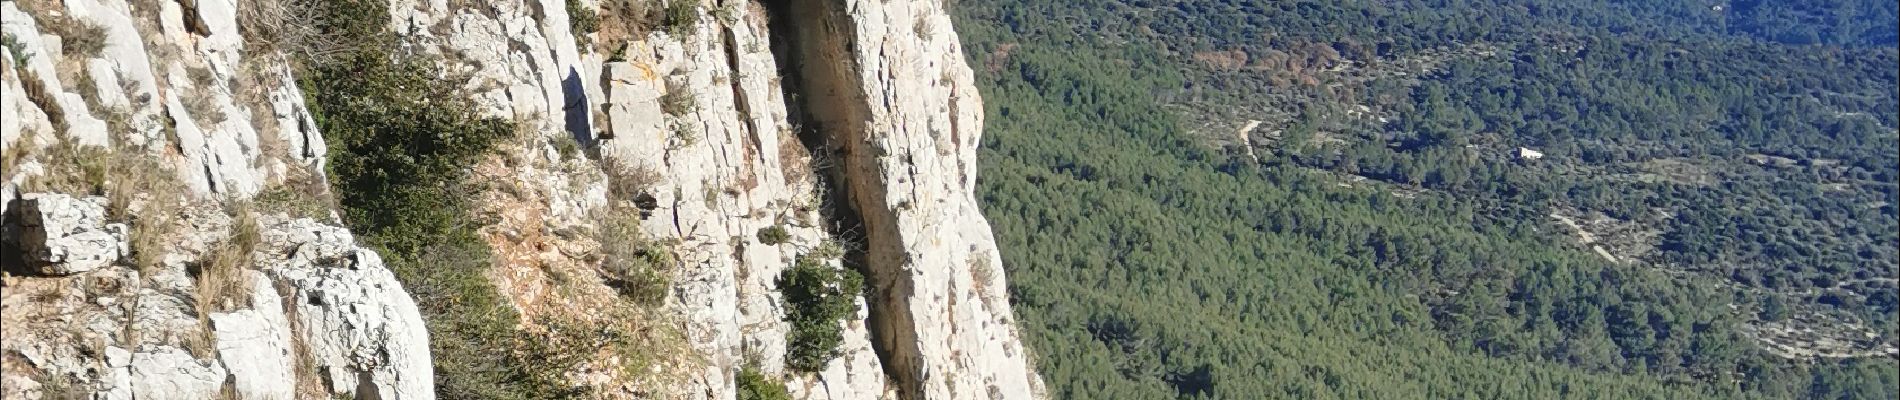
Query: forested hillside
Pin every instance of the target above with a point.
(1711, 176)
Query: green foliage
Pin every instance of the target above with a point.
(678, 100)
(639, 269)
(818, 297)
(399, 141)
(755, 385)
(726, 13)
(78, 37)
(582, 20)
(774, 235)
(568, 148)
(679, 17)
(827, 250)
(687, 135)
(15, 49)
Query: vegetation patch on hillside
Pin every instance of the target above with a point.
(818, 297)
(400, 140)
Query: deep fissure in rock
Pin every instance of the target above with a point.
(812, 42)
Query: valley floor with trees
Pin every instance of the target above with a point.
(1708, 178)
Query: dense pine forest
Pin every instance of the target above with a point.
(1311, 199)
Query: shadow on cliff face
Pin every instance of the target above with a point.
(578, 116)
(808, 45)
(12, 254)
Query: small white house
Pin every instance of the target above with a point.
(1525, 153)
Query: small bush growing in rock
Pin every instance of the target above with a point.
(640, 269)
(78, 37)
(678, 100)
(582, 20)
(61, 387)
(287, 26)
(621, 21)
(755, 385)
(626, 182)
(828, 250)
(15, 49)
(774, 235)
(401, 137)
(222, 274)
(818, 297)
(567, 148)
(680, 17)
(686, 135)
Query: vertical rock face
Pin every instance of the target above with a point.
(847, 124)
(885, 82)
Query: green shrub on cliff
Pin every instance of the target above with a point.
(755, 385)
(399, 141)
(819, 296)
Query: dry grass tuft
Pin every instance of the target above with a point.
(255, 79)
(302, 195)
(640, 269)
(623, 20)
(38, 94)
(289, 27)
(201, 98)
(309, 384)
(223, 277)
(982, 274)
(78, 37)
(140, 190)
(71, 168)
(627, 182)
(795, 162)
(19, 152)
(147, 195)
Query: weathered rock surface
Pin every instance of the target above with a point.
(175, 82)
(63, 235)
(724, 168)
(173, 373)
(885, 81)
(255, 344)
(852, 122)
(363, 333)
(236, 121)
(119, 334)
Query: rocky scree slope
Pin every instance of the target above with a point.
(166, 180)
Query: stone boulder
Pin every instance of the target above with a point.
(62, 235)
(362, 331)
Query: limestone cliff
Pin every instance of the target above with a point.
(845, 125)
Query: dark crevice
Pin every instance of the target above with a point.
(739, 100)
(811, 45)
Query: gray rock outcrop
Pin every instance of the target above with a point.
(63, 235)
(360, 329)
(849, 124)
